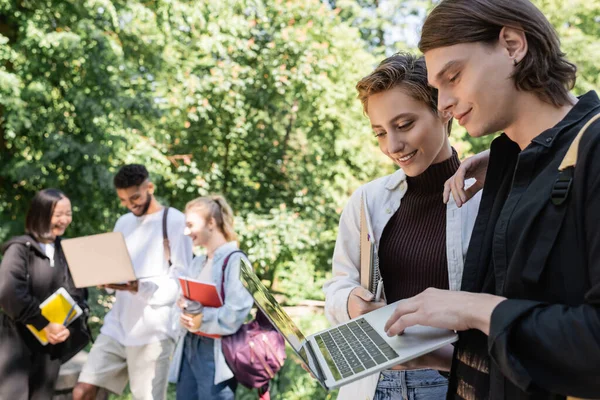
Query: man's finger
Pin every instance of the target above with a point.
(455, 194)
(404, 307)
(406, 321)
(460, 173)
(459, 181)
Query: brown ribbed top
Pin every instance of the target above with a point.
(412, 249)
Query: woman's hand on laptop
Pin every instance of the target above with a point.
(361, 302)
(458, 311)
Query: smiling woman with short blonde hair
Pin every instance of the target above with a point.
(408, 217)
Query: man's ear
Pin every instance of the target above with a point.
(514, 41)
(151, 187)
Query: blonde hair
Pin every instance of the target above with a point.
(403, 70)
(216, 207)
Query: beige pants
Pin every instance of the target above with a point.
(576, 398)
(110, 365)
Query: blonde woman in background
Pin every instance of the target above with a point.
(199, 364)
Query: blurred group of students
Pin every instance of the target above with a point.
(150, 323)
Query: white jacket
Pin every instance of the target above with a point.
(382, 197)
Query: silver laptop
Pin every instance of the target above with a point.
(349, 351)
(98, 259)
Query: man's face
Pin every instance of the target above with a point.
(475, 85)
(137, 198)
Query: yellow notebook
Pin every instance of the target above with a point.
(55, 308)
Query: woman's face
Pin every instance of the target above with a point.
(197, 228)
(408, 131)
(61, 218)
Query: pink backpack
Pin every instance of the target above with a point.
(256, 352)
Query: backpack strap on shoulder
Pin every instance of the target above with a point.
(225, 262)
(564, 181)
(166, 243)
(562, 186)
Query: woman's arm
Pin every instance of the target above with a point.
(16, 299)
(228, 318)
(343, 294)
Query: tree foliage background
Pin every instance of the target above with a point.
(250, 98)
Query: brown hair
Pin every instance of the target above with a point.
(39, 217)
(400, 70)
(544, 70)
(215, 206)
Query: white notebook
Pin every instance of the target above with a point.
(369, 260)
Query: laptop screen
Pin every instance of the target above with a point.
(267, 303)
(279, 318)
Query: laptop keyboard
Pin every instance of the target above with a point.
(352, 348)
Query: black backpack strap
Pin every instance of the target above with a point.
(562, 186)
(564, 181)
(534, 268)
(166, 244)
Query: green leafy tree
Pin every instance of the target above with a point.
(253, 99)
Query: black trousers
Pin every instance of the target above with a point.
(25, 374)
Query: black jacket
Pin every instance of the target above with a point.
(26, 280)
(544, 341)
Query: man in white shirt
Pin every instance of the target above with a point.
(137, 339)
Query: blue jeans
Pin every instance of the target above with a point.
(420, 384)
(197, 374)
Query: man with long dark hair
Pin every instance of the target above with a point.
(529, 312)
